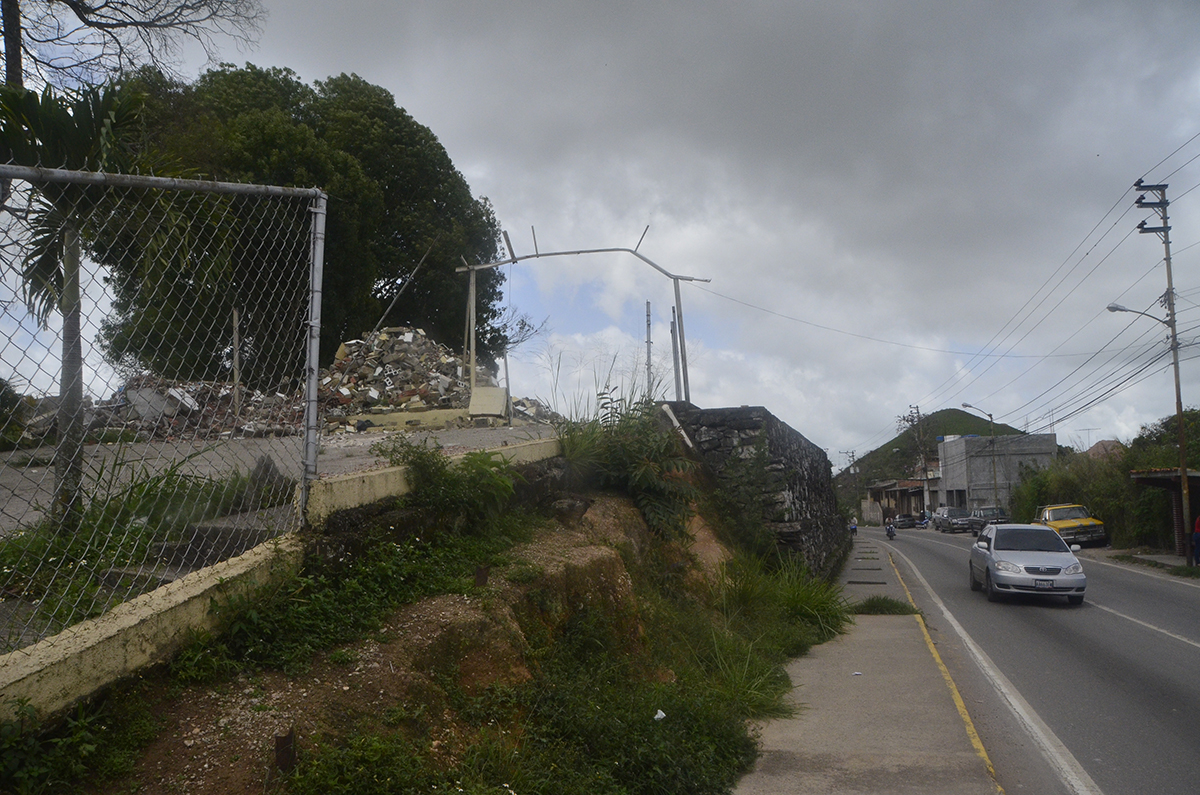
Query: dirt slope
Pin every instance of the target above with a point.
(222, 739)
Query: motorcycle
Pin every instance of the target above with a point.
(891, 532)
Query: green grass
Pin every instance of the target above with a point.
(880, 605)
(125, 514)
(331, 603)
(656, 700)
(101, 741)
(598, 715)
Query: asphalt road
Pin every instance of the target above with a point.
(1101, 698)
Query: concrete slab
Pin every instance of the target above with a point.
(874, 716)
(489, 401)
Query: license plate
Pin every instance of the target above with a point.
(1046, 584)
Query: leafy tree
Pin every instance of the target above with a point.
(428, 204)
(75, 41)
(178, 321)
(394, 195)
(87, 130)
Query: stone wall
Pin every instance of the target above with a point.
(800, 502)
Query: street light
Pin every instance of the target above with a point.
(995, 482)
(1184, 497)
(1119, 308)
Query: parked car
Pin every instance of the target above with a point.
(903, 520)
(988, 514)
(1025, 558)
(1073, 522)
(952, 520)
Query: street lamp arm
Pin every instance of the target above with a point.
(1119, 308)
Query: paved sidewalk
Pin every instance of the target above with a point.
(874, 712)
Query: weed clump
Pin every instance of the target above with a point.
(627, 446)
(880, 605)
(100, 740)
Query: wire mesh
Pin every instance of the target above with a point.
(152, 384)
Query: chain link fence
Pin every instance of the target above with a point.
(158, 358)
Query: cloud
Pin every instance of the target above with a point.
(938, 175)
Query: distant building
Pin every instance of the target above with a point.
(1106, 448)
(983, 470)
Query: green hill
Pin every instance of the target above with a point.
(900, 457)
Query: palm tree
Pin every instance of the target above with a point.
(89, 130)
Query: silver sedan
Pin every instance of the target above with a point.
(1022, 558)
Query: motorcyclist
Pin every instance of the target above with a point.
(890, 529)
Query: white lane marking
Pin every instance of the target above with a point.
(1062, 760)
(1139, 622)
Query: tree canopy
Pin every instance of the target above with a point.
(394, 195)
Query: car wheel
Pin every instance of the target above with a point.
(974, 533)
(1075, 599)
(975, 586)
(992, 594)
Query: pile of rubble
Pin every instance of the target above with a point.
(396, 369)
(149, 407)
(534, 410)
(392, 370)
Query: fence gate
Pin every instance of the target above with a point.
(158, 404)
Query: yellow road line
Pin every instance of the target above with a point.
(958, 701)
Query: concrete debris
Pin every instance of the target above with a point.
(533, 410)
(393, 370)
(148, 407)
(396, 369)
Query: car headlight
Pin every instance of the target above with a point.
(1074, 568)
(1011, 568)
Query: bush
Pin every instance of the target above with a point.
(12, 416)
(466, 495)
(629, 447)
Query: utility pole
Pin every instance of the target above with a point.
(924, 464)
(853, 471)
(675, 358)
(649, 386)
(1183, 543)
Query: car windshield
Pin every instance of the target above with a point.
(990, 513)
(1029, 539)
(1072, 512)
(957, 513)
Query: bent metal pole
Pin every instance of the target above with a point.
(512, 258)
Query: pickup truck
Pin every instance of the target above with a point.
(952, 520)
(1073, 522)
(989, 514)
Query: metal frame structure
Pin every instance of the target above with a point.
(513, 259)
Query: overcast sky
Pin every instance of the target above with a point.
(898, 204)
